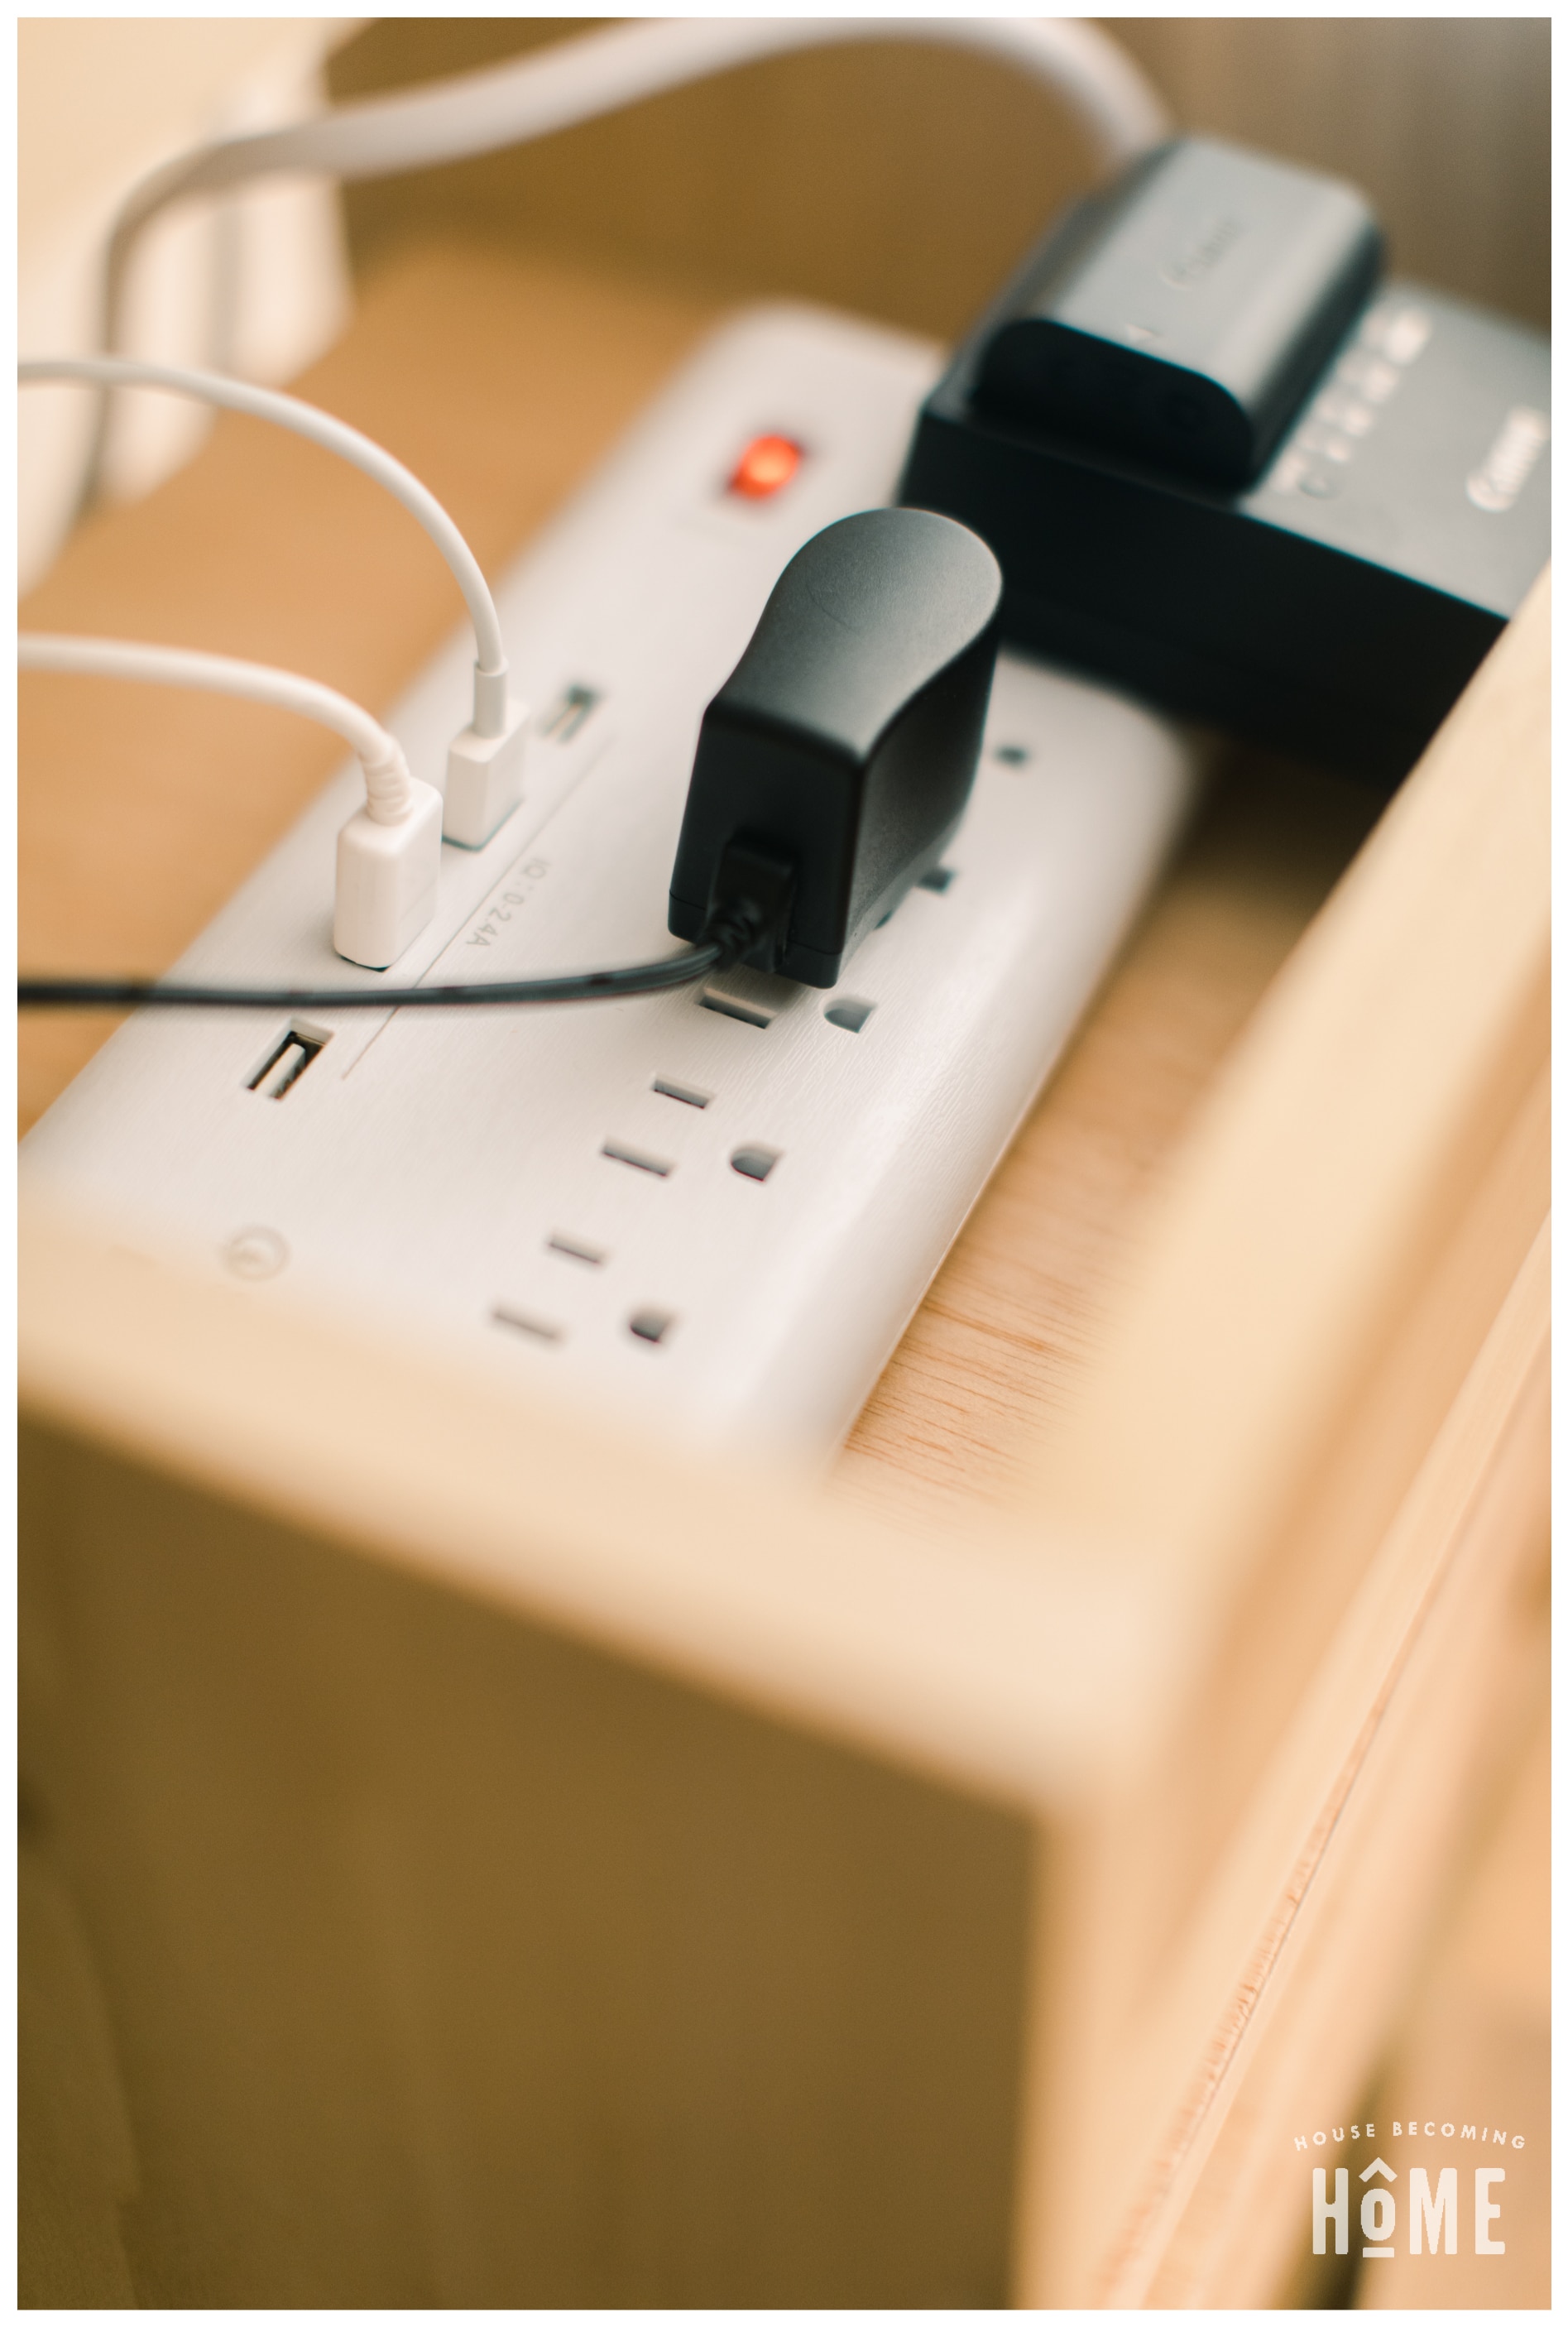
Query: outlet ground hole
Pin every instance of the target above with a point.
(651, 1324)
(754, 1162)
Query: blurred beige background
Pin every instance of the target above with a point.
(257, 283)
(899, 182)
(902, 184)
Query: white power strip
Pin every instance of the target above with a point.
(721, 1206)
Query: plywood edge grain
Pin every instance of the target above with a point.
(1431, 1604)
(1277, 1630)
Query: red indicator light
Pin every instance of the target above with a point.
(766, 467)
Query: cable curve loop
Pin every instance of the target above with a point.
(388, 783)
(601, 72)
(333, 435)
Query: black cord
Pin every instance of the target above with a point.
(588, 986)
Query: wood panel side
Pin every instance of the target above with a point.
(1335, 1157)
(425, 1957)
(1131, 2095)
(1476, 1676)
(1273, 1638)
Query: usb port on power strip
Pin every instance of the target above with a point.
(287, 1060)
(570, 714)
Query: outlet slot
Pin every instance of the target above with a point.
(728, 1009)
(650, 1325)
(570, 714)
(287, 1060)
(1013, 755)
(751, 995)
(637, 1159)
(851, 1015)
(754, 1162)
(687, 1096)
(938, 879)
(572, 1250)
(536, 1328)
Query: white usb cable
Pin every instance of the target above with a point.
(388, 852)
(601, 72)
(387, 855)
(484, 761)
(579, 81)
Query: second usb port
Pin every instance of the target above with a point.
(287, 1062)
(570, 714)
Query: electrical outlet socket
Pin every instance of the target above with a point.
(484, 779)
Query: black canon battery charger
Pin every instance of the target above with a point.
(1224, 466)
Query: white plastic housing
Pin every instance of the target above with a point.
(714, 1211)
(484, 779)
(386, 881)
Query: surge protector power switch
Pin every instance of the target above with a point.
(714, 1209)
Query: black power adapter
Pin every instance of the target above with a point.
(836, 761)
(1224, 470)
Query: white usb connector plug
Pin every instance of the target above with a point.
(484, 762)
(484, 765)
(388, 852)
(388, 862)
